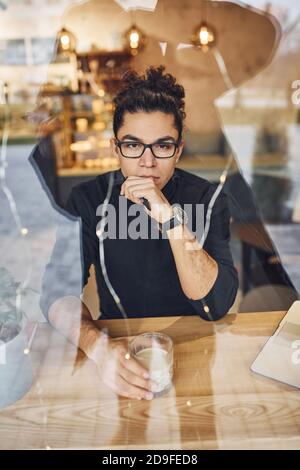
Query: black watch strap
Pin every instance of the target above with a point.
(169, 224)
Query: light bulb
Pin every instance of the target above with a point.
(204, 37)
(135, 39)
(65, 40)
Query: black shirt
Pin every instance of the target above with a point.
(142, 271)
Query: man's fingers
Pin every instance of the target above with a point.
(134, 379)
(133, 191)
(137, 193)
(123, 388)
(136, 181)
(133, 365)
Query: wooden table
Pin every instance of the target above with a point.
(216, 401)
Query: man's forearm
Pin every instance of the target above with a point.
(197, 270)
(72, 318)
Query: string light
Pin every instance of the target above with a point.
(66, 42)
(204, 37)
(135, 39)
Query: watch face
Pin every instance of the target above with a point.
(180, 214)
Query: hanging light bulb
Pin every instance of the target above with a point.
(66, 42)
(204, 37)
(135, 39)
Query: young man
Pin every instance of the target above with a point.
(172, 274)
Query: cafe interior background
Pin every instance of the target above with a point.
(61, 63)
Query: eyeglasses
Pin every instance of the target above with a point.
(131, 149)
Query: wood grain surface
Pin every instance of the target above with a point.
(216, 402)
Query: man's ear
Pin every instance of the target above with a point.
(113, 147)
(179, 151)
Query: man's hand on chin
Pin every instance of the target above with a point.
(136, 187)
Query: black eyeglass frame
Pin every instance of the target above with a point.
(120, 142)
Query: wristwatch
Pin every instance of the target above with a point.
(179, 218)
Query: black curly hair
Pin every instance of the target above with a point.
(154, 91)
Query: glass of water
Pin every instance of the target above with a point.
(155, 352)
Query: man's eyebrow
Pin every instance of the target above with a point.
(137, 139)
(166, 138)
(131, 137)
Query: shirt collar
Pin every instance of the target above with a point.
(119, 178)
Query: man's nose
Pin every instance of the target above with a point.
(147, 159)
